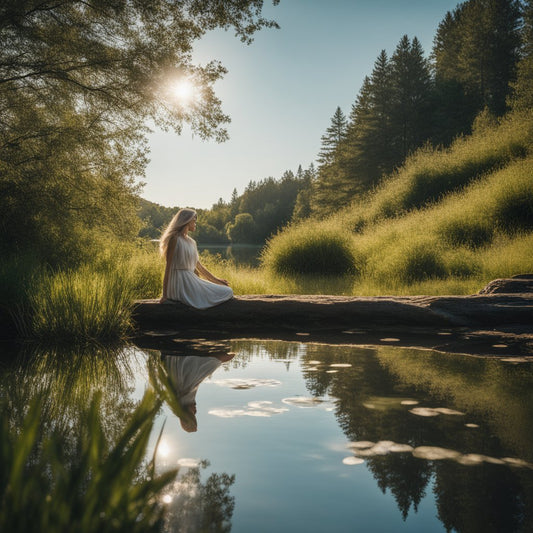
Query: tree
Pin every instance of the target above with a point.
(367, 153)
(243, 230)
(522, 95)
(388, 120)
(411, 93)
(79, 81)
(334, 136)
(326, 185)
(475, 54)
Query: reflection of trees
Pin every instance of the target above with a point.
(65, 381)
(405, 476)
(248, 350)
(479, 500)
(368, 399)
(503, 394)
(198, 506)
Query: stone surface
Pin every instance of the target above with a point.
(496, 322)
(522, 284)
(321, 312)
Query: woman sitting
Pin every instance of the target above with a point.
(181, 281)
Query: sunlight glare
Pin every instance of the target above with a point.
(185, 91)
(163, 450)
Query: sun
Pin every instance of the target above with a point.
(185, 91)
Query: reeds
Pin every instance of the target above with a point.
(105, 486)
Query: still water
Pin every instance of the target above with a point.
(281, 436)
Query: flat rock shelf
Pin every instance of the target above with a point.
(489, 323)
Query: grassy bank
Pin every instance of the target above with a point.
(448, 221)
(85, 304)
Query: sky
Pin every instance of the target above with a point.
(281, 92)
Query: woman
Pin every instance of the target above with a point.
(186, 373)
(181, 282)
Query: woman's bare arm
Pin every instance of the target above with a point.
(202, 271)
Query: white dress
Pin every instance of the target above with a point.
(187, 372)
(185, 286)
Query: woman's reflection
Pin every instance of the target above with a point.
(186, 373)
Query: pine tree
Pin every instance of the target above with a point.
(334, 136)
(411, 94)
(475, 55)
(522, 97)
(368, 147)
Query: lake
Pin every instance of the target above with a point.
(296, 437)
(246, 255)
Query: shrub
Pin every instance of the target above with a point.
(420, 262)
(513, 211)
(470, 233)
(314, 251)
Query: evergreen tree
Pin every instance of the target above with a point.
(411, 97)
(475, 54)
(367, 152)
(334, 136)
(522, 97)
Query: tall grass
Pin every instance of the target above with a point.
(80, 305)
(106, 486)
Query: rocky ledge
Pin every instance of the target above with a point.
(500, 315)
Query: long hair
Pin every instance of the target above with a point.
(175, 227)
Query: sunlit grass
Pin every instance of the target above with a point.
(80, 305)
(448, 222)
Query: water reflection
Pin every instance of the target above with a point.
(406, 447)
(193, 506)
(423, 427)
(186, 373)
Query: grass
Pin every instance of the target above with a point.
(80, 305)
(106, 486)
(449, 220)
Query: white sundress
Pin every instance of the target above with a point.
(185, 286)
(187, 372)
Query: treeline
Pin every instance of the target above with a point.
(480, 62)
(264, 207)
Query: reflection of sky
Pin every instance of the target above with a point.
(295, 468)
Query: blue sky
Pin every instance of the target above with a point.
(281, 92)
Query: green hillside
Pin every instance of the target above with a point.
(447, 221)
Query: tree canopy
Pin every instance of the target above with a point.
(80, 81)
